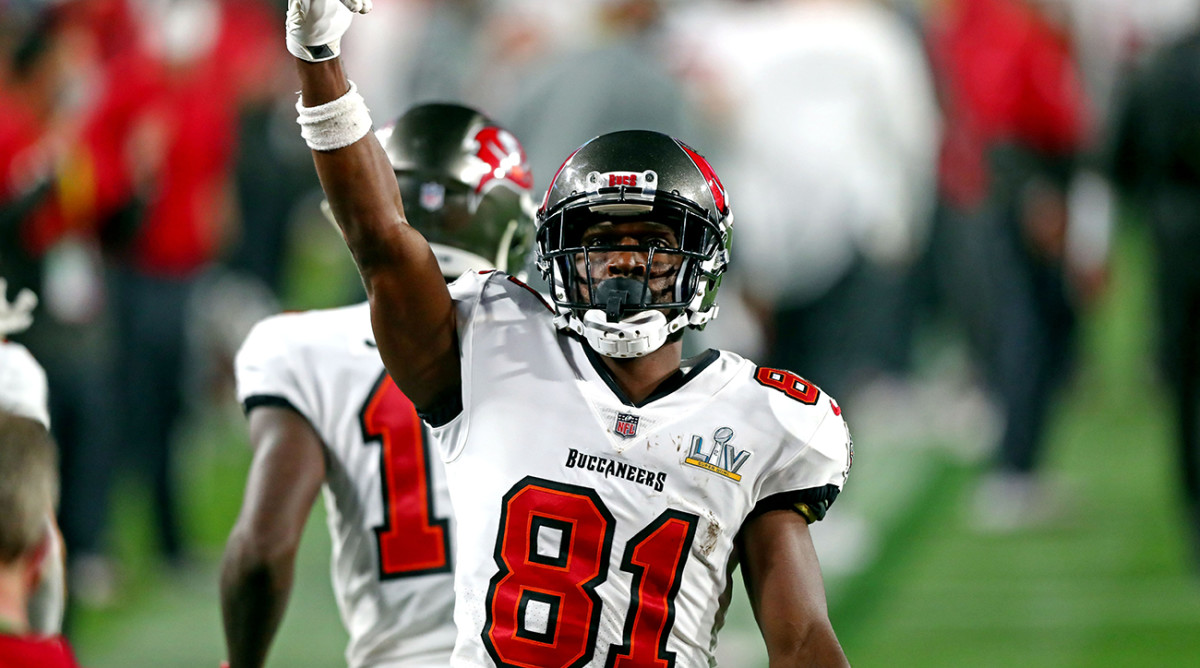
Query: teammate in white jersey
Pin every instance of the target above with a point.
(604, 488)
(325, 415)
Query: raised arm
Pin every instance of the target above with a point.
(411, 311)
(783, 579)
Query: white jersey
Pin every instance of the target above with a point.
(23, 389)
(596, 532)
(385, 489)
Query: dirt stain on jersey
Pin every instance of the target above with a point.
(653, 443)
(710, 533)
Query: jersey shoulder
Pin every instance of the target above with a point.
(794, 403)
(286, 332)
(282, 347)
(495, 284)
(496, 296)
(815, 449)
(810, 420)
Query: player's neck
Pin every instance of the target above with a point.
(14, 618)
(638, 377)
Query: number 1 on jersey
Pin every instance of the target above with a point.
(656, 557)
(411, 541)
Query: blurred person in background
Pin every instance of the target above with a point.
(272, 173)
(167, 115)
(324, 414)
(31, 567)
(832, 138)
(465, 51)
(452, 48)
(387, 55)
(1017, 123)
(1156, 160)
(140, 193)
(627, 85)
(55, 198)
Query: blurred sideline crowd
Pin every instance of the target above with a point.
(925, 194)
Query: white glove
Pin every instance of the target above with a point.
(315, 27)
(15, 317)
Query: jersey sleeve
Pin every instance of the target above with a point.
(810, 480)
(448, 424)
(467, 292)
(485, 301)
(266, 370)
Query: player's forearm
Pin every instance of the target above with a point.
(357, 179)
(816, 646)
(255, 587)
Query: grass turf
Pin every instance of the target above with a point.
(1112, 584)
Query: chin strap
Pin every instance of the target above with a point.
(636, 335)
(639, 334)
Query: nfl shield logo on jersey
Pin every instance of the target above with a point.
(626, 425)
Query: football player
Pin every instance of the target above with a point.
(323, 413)
(604, 488)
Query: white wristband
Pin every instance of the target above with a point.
(335, 124)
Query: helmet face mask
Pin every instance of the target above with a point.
(582, 253)
(634, 222)
(623, 277)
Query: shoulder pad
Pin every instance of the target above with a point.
(798, 404)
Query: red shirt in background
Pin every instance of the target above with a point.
(169, 131)
(164, 133)
(35, 652)
(20, 132)
(1006, 75)
(25, 161)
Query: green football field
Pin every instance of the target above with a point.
(1110, 584)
